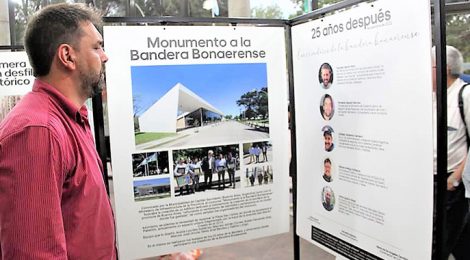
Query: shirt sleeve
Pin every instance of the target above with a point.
(31, 181)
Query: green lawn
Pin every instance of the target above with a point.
(143, 137)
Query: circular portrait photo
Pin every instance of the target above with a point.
(325, 75)
(327, 170)
(328, 198)
(328, 138)
(327, 107)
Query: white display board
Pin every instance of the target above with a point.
(175, 94)
(364, 136)
(16, 79)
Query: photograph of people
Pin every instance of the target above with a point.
(258, 152)
(327, 170)
(328, 198)
(325, 76)
(328, 138)
(327, 107)
(258, 175)
(205, 169)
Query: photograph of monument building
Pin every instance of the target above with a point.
(199, 104)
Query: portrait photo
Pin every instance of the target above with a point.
(328, 198)
(327, 107)
(325, 75)
(327, 170)
(328, 138)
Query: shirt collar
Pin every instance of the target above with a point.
(457, 82)
(80, 115)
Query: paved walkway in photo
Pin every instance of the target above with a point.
(226, 132)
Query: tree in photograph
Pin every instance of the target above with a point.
(255, 103)
(262, 103)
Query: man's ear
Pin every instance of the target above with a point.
(66, 56)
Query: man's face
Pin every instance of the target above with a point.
(327, 107)
(328, 197)
(91, 59)
(328, 142)
(327, 166)
(325, 76)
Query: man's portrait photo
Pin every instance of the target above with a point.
(328, 138)
(327, 170)
(327, 108)
(328, 198)
(325, 76)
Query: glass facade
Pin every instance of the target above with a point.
(201, 117)
(210, 117)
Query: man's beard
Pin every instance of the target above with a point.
(92, 84)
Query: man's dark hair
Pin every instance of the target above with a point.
(327, 160)
(326, 66)
(51, 27)
(327, 133)
(327, 97)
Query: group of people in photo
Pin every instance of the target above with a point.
(195, 174)
(261, 175)
(256, 151)
(187, 172)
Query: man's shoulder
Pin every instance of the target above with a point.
(33, 111)
(466, 89)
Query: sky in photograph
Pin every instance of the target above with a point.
(221, 85)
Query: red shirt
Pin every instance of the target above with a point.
(53, 202)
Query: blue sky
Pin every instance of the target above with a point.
(219, 84)
(152, 182)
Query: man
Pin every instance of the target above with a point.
(328, 136)
(327, 170)
(456, 206)
(326, 76)
(208, 167)
(264, 150)
(182, 176)
(257, 152)
(251, 152)
(327, 107)
(220, 165)
(231, 167)
(53, 203)
(327, 202)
